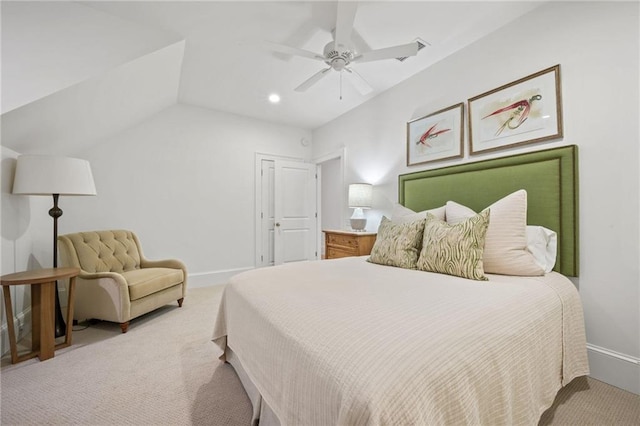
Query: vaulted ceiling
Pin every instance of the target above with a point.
(75, 73)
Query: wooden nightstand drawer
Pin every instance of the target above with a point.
(342, 240)
(348, 243)
(335, 253)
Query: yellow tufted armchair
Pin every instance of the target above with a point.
(116, 282)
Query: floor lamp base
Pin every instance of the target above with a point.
(55, 213)
(61, 326)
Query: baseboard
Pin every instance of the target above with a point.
(617, 369)
(207, 279)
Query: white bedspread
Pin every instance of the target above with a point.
(347, 342)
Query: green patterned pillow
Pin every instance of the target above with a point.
(454, 249)
(397, 244)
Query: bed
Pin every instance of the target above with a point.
(351, 342)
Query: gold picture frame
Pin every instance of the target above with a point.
(437, 136)
(525, 111)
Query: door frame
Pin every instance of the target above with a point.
(339, 154)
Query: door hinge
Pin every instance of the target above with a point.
(261, 215)
(316, 215)
(316, 255)
(261, 258)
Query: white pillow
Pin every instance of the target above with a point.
(543, 245)
(505, 246)
(401, 214)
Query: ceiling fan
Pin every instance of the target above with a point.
(340, 53)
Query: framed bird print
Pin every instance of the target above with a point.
(437, 136)
(522, 112)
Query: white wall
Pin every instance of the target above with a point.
(184, 182)
(597, 46)
(331, 214)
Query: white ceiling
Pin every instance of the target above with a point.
(224, 70)
(205, 53)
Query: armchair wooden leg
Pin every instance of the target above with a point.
(180, 302)
(124, 326)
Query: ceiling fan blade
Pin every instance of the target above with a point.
(344, 22)
(359, 82)
(410, 49)
(312, 80)
(289, 50)
(358, 42)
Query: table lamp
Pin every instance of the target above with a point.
(360, 197)
(50, 175)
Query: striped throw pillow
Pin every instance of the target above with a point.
(397, 244)
(454, 249)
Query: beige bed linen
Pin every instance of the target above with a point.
(347, 342)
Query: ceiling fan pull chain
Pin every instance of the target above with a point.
(340, 85)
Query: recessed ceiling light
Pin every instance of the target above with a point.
(274, 98)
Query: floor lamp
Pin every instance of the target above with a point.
(55, 176)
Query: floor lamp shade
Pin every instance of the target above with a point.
(53, 176)
(360, 197)
(48, 175)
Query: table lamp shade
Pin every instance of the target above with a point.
(47, 175)
(360, 195)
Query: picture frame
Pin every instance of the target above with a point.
(525, 111)
(437, 136)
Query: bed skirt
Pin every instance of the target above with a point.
(262, 413)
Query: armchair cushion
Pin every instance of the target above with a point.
(143, 282)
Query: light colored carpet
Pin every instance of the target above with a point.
(164, 372)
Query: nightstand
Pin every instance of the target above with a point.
(347, 243)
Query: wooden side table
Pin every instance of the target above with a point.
(43, 287)
(347, 243)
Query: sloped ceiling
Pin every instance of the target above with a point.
(75, 73)
(72, 119)
(49, 46)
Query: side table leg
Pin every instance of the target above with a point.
(12, 332)
(36, 316)
(70, 302)
(47, 323)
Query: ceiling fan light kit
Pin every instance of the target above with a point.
(339, 53)
(337, 57)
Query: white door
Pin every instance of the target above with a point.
(288, 218)
(294, 212)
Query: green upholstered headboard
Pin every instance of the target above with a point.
(550, 178)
